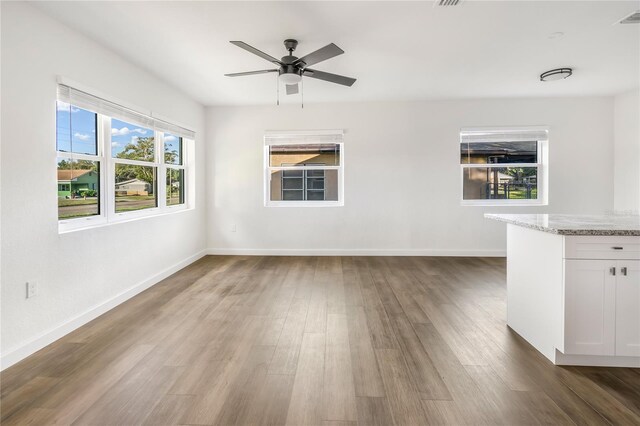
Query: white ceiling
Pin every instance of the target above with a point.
(396, 50)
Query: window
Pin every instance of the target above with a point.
(504, 166)
(78, 162)
(304, 168)
(112, 161)
(175, 169)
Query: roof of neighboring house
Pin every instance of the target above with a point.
(71, 174)
(136, 180)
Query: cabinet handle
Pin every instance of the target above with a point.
(623, 271)
(612, 270)
(617, 248)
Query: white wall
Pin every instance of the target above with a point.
(627, 152)
(402, 175)
(88, 269)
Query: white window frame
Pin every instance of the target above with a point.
(542, 166)
(107, 214)
(307, 137)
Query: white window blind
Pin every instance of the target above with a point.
(102, 106)
(503, 135)
(303, 137)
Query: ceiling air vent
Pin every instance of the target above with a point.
(633, 18)
(447, 2)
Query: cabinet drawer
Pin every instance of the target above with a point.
(602, 247)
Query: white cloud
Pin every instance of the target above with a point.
(81, 136)
(125, 131)
(134, 139)
(115, 144)
(65, 107)
(169, 138)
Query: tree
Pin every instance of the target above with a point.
(520, 173)
(77, 165)
(142, 150)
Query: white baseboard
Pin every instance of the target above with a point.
(17, 354)
(357, 252)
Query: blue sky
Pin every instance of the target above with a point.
(123, 133)
(172, 143)
(76, 132)
(76, 129)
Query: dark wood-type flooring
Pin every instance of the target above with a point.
(313, 341)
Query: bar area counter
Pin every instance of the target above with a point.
(573, 286)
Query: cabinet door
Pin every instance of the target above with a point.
(628, 308)
(590, 303)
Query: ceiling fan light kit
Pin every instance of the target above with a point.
(291, 69)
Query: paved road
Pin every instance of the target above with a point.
(92, 209)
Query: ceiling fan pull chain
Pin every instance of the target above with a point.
(277, 91)
(302, 92)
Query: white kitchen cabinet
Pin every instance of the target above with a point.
(628, 308)
(590, 307)
(602, 307)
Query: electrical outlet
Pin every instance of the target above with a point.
(32, 289)
(233, 228)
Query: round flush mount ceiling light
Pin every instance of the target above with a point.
(556, 74)
(556, 35)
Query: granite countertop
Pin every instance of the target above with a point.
(571, 224)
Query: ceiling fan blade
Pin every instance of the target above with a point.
(292, 89)
(332, 78)
(327, 52)
(255, 51)
(239, 74)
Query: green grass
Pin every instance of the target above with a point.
(130, 209)
(522, 194)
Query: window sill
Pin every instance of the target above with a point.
(305, 204)
(93, 223)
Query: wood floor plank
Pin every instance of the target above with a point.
(381, 333)
(305, 407)
(285, 358)
(271, 403)
(423, 373)
(443, 412)
(169, 410)
(246, 387)
(211, 396)
(351, 279)
(374, 411)
(471, 402)
(70, 405)
(339, 392)
(507, 402)
(366, 376)
(621, 383)
(404, 402)
(19, 399)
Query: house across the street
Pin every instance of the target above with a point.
(133, 187)
(76, 182)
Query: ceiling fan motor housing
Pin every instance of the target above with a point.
(290, 74)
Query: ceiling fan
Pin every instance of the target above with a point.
(291, 69)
